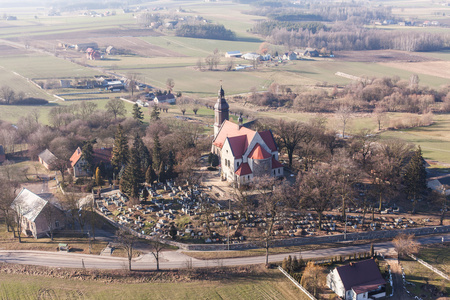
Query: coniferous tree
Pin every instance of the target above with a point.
(415, 177)
(154, 116)
(143, 153)
(138, 115)
(132, 177)
(98, 177)
(170, 173)
(156, 152)
(150, 175)
(88, 155)
(162, 175)
(120, 149)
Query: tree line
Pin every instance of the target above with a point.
(9, 97)
(205, 31)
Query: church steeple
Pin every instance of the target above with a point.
(221, 112)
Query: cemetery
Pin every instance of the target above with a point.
(194, 214)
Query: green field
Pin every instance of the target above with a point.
(267, 285)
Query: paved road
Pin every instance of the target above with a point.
(176, 259)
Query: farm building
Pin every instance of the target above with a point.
(169, 98)
(360, 280)
(244, 153)
(251, 56)
(65, 83)
(85, 46)
(38, 216)
(78, 164)
(93, 54)
(111, 50)
(2, 154)
(46, 158)
(233, 54)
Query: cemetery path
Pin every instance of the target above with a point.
(176, 259)
(397, 280)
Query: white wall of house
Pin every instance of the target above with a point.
(335, 283)
(227, 162)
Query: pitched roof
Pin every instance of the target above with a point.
(165, 97)
(258, 152)
(47, 156)
(267, 137)
(361, 276)
(75, 157)
(29, 203)
(276, 164)
(102, 155)
(244, 169)
(230, 129)
(238, 145)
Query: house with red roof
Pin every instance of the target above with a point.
(78, 164)
(359, 280)
(243, 152)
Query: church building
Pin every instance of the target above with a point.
(243, 152)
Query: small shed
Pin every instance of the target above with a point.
(47, 158)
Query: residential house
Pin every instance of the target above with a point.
(2, 154)
(65, 83)
(309, 52)
(244, 153)
(290, 56)
(84, 46)
(38, 216)
(233, 54)
(92, 54)
(168, 98)
(359, 280)
(79, 165)
(46, 158)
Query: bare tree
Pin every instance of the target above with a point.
(271, 197)
(344, 114)
(405, 244)
(7, 94)
(127, 242)
(132, 82)
(170, 83)
(116, 107)
(312, 277)
(156, 247)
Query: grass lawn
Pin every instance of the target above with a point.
(420, 276)
(270, 284)
(437, 255)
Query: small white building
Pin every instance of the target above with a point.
(359, 280)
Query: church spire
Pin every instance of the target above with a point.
(221, 111)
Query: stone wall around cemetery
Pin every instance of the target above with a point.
(299, 241)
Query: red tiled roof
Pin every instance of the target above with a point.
(268, 139)
(229, 129)
(75, 157)
(102, 155)
(276, 164)
(361, 276)
(259, 153)
(238, 145)
(244, 169)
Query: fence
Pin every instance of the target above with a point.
(292, 241)
(297, 284)
(442, 274)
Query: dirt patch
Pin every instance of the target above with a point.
(432, 68)
(6, 50)
(380, 56)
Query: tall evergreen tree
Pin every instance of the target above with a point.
(87, 154)
(98, 177)
(156, 161)
(120, 149)
(138, 115)
(132, 177)
(170, 173)
(154, 116)
(415, 177)
(143, 153)
(150, 175)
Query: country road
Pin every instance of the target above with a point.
(177, 259)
